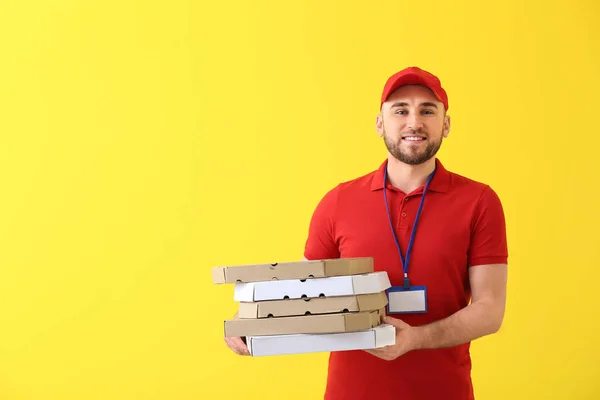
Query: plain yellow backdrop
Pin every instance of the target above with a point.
(144, 142)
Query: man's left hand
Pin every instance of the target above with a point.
(406, 340)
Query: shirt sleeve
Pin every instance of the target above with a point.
(488, 235)
(321, 242)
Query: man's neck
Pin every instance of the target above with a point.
(407, 177)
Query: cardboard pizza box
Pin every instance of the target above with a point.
(312, 306)
(325, 323)
(348, 285)
(379, 336)
(292, 270)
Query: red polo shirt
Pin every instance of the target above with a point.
(461, 226)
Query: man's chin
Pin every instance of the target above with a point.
(413, 159)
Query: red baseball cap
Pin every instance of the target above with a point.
(415, 76)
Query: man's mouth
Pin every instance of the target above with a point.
(413, 138)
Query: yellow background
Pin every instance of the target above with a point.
(144, 142)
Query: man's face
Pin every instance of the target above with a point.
(413, 124)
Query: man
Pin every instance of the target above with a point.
(440, 237)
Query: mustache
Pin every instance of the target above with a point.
(415, 132)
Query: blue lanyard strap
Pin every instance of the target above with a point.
(414, 229)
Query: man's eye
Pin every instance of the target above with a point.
(427, 112)
(400, 112)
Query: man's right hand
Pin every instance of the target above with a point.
(237, 344)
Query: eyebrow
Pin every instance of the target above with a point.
(404, 104)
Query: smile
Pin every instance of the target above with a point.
(413, 138)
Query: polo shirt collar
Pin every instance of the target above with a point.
(439, 183)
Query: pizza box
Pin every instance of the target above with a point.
(292, 270)
(325, 323)
(311, 306)
(379, 336)
(348, 285)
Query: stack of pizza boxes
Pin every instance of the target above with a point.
(308, 306)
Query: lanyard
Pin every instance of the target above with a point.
(412, 235)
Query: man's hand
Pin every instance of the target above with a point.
(406, 340)
(237, 344)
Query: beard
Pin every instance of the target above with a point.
(412, 155)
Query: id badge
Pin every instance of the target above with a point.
(407, 301)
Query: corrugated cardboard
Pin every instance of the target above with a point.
(292, 270)
(326, 323)
(296, 307)
(350, 285)
(382, 335)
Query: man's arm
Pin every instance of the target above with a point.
(482, 317)
(487, 260)
(487, 277)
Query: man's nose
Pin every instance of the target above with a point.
(414, 122)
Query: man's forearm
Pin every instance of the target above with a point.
(472, 322)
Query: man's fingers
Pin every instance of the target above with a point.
(380, 352)
(242, 347)
(237, 345)
(396, 322)
(231, 345)
(375, 352)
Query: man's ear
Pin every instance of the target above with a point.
(446, 126)
(379, 124)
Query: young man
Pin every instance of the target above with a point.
(457, 261)
(440, 237)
